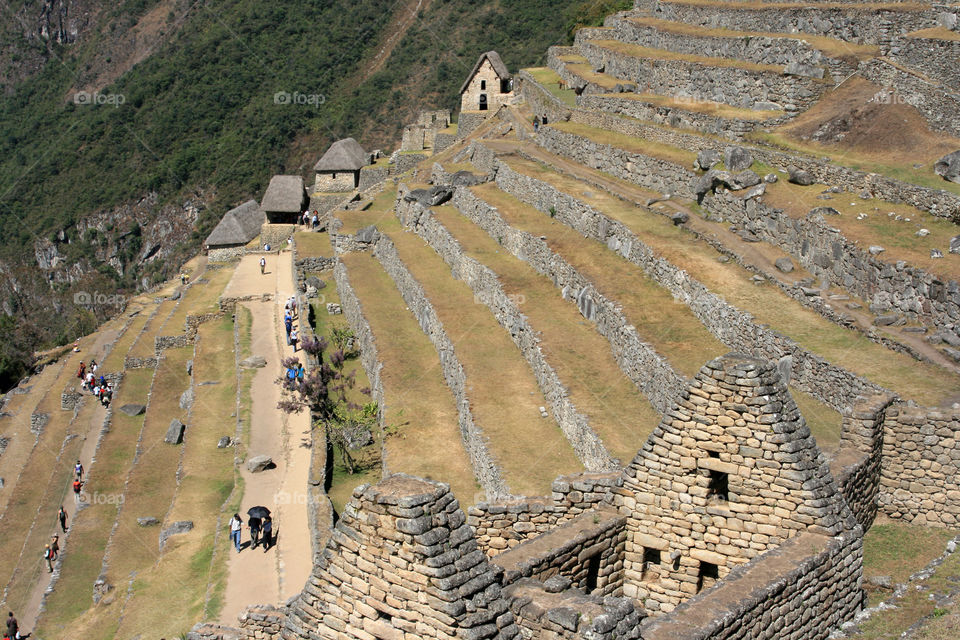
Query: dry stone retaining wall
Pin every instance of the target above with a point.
(225, 254)
(647, 369)
(541, 101)
(934, 58)
(487, 289)
(940, 108)
(832, 384)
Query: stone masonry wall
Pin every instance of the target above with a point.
(804, 589)
(504, 525)
(484, 466)
(735, 86)
(647, 369)
(597, 536)
(934, 58)
(834, 385)
(541, 101)
(920, 475)
(468, 121)
(486, 288)
(225, 254)
(940, 109)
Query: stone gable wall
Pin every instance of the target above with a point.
(470, 98)
(920, 474)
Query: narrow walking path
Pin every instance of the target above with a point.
(255, 576)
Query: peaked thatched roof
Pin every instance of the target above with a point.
(495, 62)
(238, 226)
(284, 194)
(343, 155)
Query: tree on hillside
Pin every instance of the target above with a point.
(323, 392)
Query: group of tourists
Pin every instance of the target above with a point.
(310, 221)
(260, 528)
(289, 314)
(295, 374)
(101, 389)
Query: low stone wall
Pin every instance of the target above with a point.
(69, 399)
(443, 141)
(162, 343)
(467, 121)
(940, 109)
(225, 254)
(734, 86)
(504, 525)
(212, 631)
(832, 384)
(805, 588)
(229, 304)
(920, 474)
(193, 322)
(276, 234)
(406, 161)
(647, 369)
(541, 101)
(38, 421)
(542, 612)
(132, 362)
(484, 466)
(598, 536)
(486, 288)
(370, 176)
(263, 622)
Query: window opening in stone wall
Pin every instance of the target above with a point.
(505, 86)
(593, 573)
(483, 85)
(676, 560)
(483, 102)
(651, 565)
(717, 486)
(707, 576)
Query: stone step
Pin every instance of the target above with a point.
(503, 393)
(581, 358)
(700, 77)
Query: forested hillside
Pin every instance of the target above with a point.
(127, 128)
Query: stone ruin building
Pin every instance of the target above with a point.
(238, 227)
(488, 86)
(727, 524)
(338, 170)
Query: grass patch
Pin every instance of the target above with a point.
(551, 82)
(504, 395)
(145, 345)
(634, 144)
(935, 33)
(199, 298)
(114, 361)
(312, 245)
(418, 404)
(618, 412)
(379, 213)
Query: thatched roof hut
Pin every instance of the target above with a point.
(284, 199)
(343, 155)
(238, 226)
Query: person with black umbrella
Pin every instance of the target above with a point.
(255, 523)
(267, 533)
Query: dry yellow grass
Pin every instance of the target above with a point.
(312, 245)
(144, 345)
(425, 438)
(936, 33)
(504, 396)
(582, 358)
(114, 361)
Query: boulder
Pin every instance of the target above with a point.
(435, 195)
(315, 282)
(256, 464)
(743, 180)
(253, 362)
(556, 584)
(707, 158)
(367, 235)
(803, 70)
(947, 20)
(174, 529)
(876, 250)
(133, 409)
(936, 253)
(334, 309)
(466, 179)
(224, 442)
(186, 399)
(770, 178)
(755, 192)
(948, 167)
(824, 211)
(737, 159)
(886, 320)
(680, 217)
(174, 432)
(799, 176)
(148, 522)
(785, 265)
(955, 244)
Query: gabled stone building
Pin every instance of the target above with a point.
(338, 170)
(284, 199)
(488, 86)
(238, 227)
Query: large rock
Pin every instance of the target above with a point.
(948, 167)
(253, 362)
(174, 432)
(176, 528)
(367, 235)
(148, 521)
(803, 70)
(224, 442)
(315, 282)
(431, 197)
(186, 399)
(737, 159)
(466, 179)
(955, 244)
(800, 176)
(785, 265)
(707, 158)
(133, 409)
(744, 180)
(256, 464)
(755, 192)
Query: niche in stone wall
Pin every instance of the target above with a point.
(651, 565)
(593, 573)
(707, 575)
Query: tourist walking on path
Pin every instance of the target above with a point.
(55, 546)
(263, 264)
(236, 524)
(77, 486)
(48, 556)
(293, 339)
(13, 627)
(299, 374)
(254, 524)
(288, 324)
(63, 518)
(78, 470)
(267, 533)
